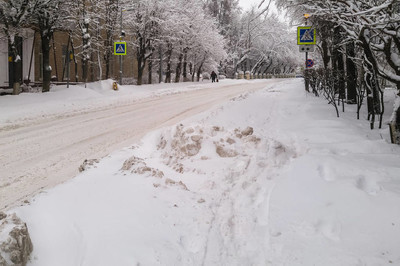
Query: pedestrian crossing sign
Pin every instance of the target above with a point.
(306, 35)
(120, 48)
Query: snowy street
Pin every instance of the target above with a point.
(44, 151)
(241, 173)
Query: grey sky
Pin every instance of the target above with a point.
(246, 4)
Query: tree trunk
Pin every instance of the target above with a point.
(46, 62)
(75, 62)
(193, 73)
(140, 70)
(160, 72)
(184, 74)
(394, 125)
(191, 69)
(108, 52)
(150, 71)
(140, 55)
(179, 68)
(55, 58)
(338, 64)
(168, 72)
(374, 92)
(351, 74)
(198, 74)
(15, 66)
(199, 70)
(325, 53)
(107, 59)
(111, 8)
(84, 69)
(268, 66)
(341, 80)
(92, 67)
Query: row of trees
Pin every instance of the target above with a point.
(256, 40)
(180, 38)
(177, 33)
(359, 45)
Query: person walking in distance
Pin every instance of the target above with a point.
(213, 76)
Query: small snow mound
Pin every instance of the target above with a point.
(280, 153)
(170, 182)
(101, 86)
(248, 131)
(87, 164)
(15, 242)
(224, 152)
(329, 229)
(138, 166)
(367, 185)
(183, 143)
(241, 97)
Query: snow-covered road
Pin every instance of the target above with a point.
(267, 178)
(46, 151)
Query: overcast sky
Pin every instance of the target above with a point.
(246, 4)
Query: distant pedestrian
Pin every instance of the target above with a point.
(213, 76)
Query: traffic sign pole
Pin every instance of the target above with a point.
(120, 57)
(306, 80)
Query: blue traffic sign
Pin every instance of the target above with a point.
(306, 35)
(120, 48)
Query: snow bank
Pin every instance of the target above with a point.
(268, 178)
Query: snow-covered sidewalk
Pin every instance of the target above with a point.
(270, 178)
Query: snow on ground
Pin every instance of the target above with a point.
(77, 99)
(270, 178)
(40, 151)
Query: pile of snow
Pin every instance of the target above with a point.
(15, 242)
